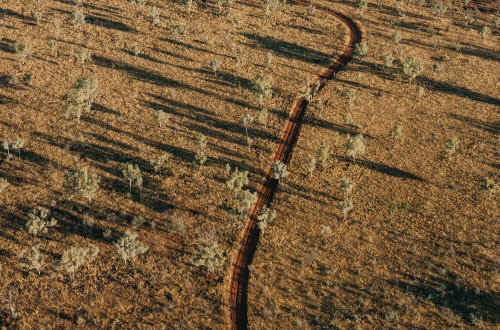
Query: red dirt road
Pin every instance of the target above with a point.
(237, 295)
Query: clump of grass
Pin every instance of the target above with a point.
(388, 60)
(310, 90)
(350, 95)
(80, 182)
(346, 186)
(38, 221)
(178, 29)
(128, 247)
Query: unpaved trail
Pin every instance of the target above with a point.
(238, 283)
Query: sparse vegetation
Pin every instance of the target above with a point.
(128, 247)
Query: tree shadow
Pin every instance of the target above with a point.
(493, 128)
(289, 50)
(382, 168)
(462, 299)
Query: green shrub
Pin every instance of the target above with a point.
(32, 260)
(38, 221)
(362, 5)
(3, 184)
(360, 49)
(487, 184)
(158, 164)
(76, 256)
(161, 117)
(77, 17)
(23, 49)
(83, 55)
(236, 179)
(132, 173)
(215, 65)
(128, 247)
(346, 185)
(279, 170)
(244, 199)
(263, 116)
(354, 146)
(266, 215)
(80, 182)
(451, 145)
(310, 164)
(323, 153)
(209, 256)
(411, 67)
(484, 32)
(79, 99)
(261, 87)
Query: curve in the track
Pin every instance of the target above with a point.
(238, 283)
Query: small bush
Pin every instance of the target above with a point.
(32, 260)
(362, 5)
(38, 221)
(132, 173)
(176, 225)
(279, 170)
(323, 153)
(261, 87)
(236, 179)
(263, 116)
(388, 60)
(348, 118)
(76, 256)
(451, 145)
(77, 17)
(310, 91)
(354, 145)
(80, 182)
(396, 132)
(411, 67)
(350, 95)
(397, 37)
(155, 16)
(269, 59)
(137, 221)
(128, 247)
(489, 185)
(310, 164)
(215, 65)
(438, 67)
(244, 199)
(79, 99)
(201, 142)
(158, 164)
(484, 32)
(345, 206)
(266, 215)
(161, 117)
(209, 256)
(23, 50)
(346, 185)
(83, 55)
(178, 29)
(3, 184)
(360, 49)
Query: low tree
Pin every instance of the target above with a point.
(77, 17)
(23, 50)
(132, 173)
(209, 256)
(411, 67)
(345, 206)
(266, 215)
(244, 200)
(323, 153)
(346, 186)
(83, 55)
(215, 65)
(32, 260)
(3, 184)
(484, 32)
(79, 99)
(128, 247)
(38, 221)
(80, 182)
(360, 49)
(161, 117)
(350, 95)
(200, 157)
(261, 87)
(362, 5)
(354, 146)
(236, 179)
(396, 132)
(158, 163)
(451, 145)
(310, 164)
(76, 256)
(279, 170)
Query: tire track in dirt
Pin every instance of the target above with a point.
(238, 283)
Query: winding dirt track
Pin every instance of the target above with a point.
(238, 283)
